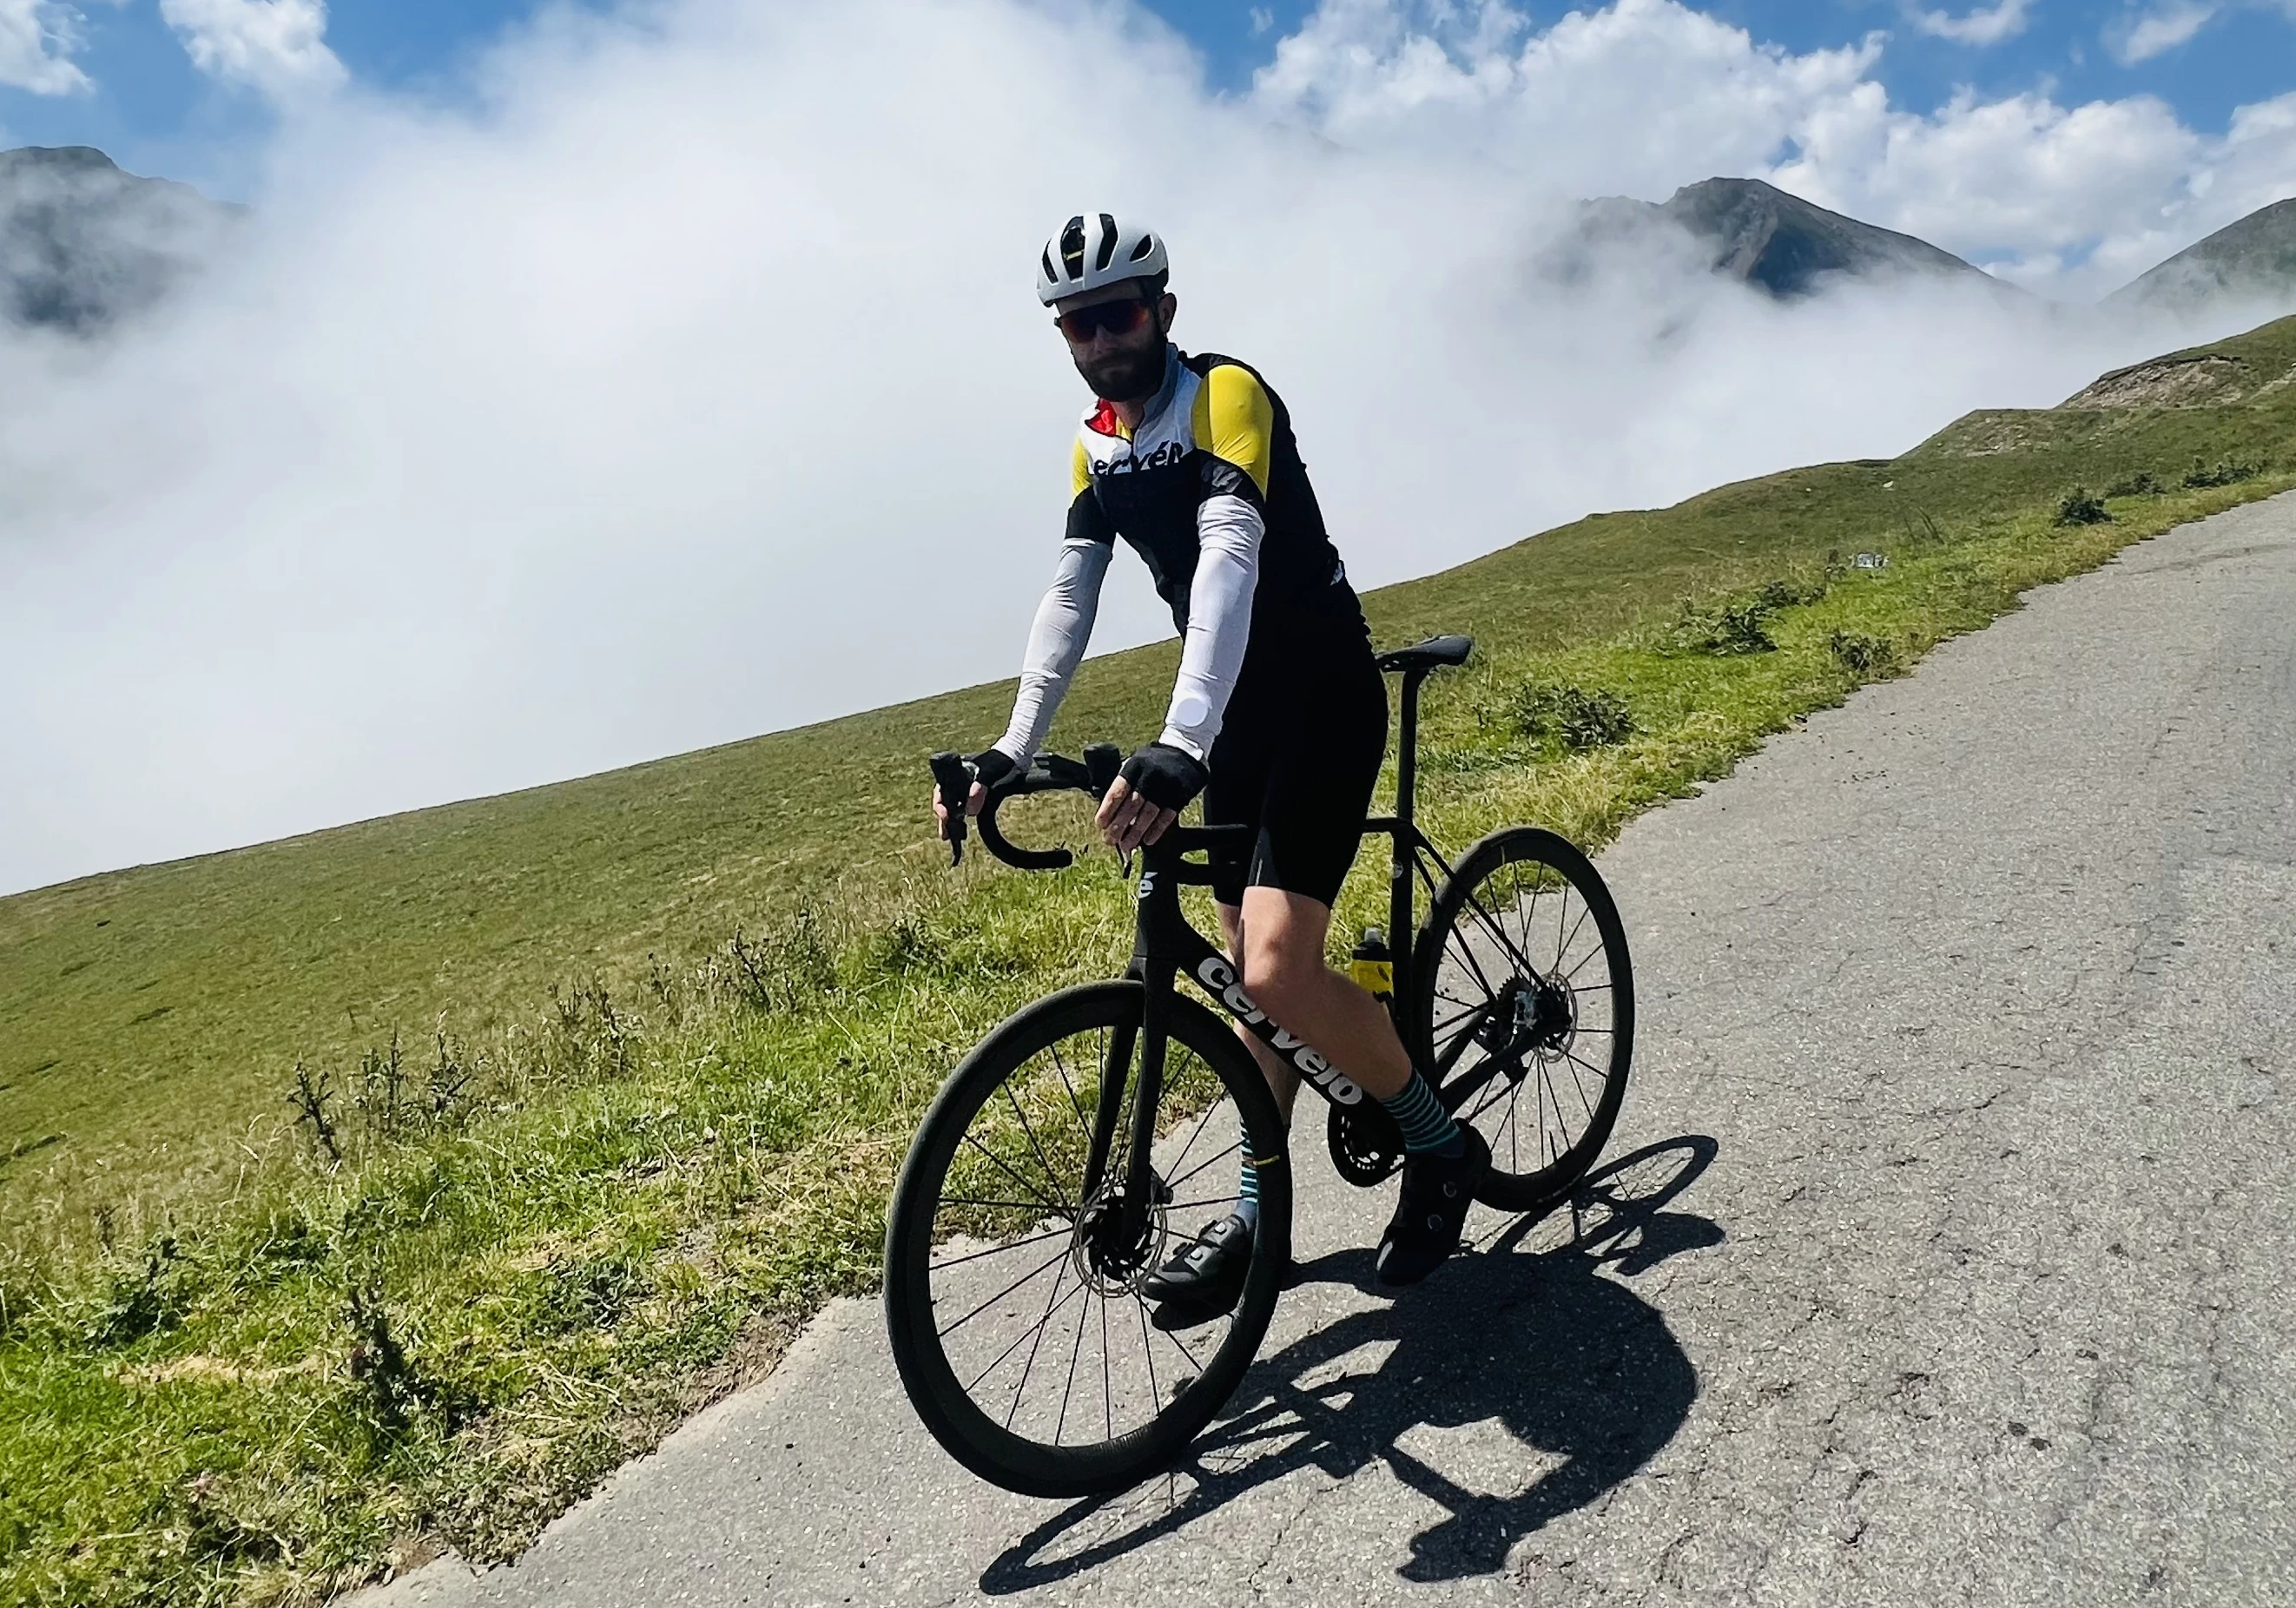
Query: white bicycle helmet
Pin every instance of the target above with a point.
(1096, 251)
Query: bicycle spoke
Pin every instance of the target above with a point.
(1589, 1065)
(1148, 1354)
(1029, 1367)
(1490, 922)
(1037, 1150)
(1107, 1385)
(1512, 1131)
(997, 1161)
(1075, 1105)
(1068, 1392)
(1215, 1200)
(1053, 1303)
(1580, 1087)
(951, 1200)
(1561, 1126)
(1037, 1272)
(1198, 1167)
(1497, 1093)
(1010, 1245)
(1194, 1134)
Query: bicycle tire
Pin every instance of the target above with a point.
(913, 1225)
(1533, 1013)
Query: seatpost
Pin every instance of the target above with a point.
(1406, 785)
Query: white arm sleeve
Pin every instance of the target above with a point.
(1219, 622)
(1056, 645)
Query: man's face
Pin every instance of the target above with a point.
(1122, 357)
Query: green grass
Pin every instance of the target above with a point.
(231, 1370)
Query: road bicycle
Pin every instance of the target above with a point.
(1087, 1137)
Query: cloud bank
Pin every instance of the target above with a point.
(684, 381)
(37, 40)
(275, 47)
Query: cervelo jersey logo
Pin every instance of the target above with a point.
(1221, 978)
(1139, 463)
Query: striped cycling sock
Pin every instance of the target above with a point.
(1247, 1194)
(1426, 1126)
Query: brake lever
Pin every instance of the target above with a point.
(954, 777)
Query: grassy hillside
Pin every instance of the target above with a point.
(691, 1010)
(148, 1018)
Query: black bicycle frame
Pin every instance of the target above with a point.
(1165, 946)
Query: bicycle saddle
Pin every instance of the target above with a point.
(1428, 654)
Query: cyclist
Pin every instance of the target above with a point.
(1278, 716)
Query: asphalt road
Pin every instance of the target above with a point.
(1951, 1261)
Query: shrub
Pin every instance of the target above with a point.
(1725, 630)
(1576, 717)
(1740, 623)
(2225, 473)
(140, 1301)
(1862, 655)
(2082, 506)
(2142, 483)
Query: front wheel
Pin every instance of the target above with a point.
(1013, 1258)
(1525, 1009)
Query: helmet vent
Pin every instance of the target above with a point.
(1073, 248)
(1107, 243)
(1147, 244)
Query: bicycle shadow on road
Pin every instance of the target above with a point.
(1531, 1332)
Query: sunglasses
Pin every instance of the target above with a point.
(1116, 317)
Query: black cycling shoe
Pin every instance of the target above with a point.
(1204, 1278)
(1436, 1191)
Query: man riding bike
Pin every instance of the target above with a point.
(1278, 716)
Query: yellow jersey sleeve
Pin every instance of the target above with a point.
(1235, 422)
(1080, 472)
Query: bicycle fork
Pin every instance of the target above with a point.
(1167, 946)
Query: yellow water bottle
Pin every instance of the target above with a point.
(1372, 966)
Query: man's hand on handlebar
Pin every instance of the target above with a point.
(989, 767)
(1146, 799)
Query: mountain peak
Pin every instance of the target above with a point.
(2253, 258)
(1751, 231)
(83, 243)
(54, 159)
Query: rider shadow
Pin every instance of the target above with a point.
(1530, 1334)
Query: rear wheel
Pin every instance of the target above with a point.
(1014, 1264)
(1525, 1009)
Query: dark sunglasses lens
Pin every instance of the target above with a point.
(1117, 317)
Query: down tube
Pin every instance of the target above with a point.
(1216, 975)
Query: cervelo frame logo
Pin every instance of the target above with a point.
(1221, 978)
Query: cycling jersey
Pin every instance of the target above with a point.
(1210, 491)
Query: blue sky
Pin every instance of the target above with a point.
(153, 109)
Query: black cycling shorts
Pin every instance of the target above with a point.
(1299, 752)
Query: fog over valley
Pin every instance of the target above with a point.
(678, 376)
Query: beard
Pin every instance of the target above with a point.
(1124, 376)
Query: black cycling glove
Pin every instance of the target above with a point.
(1165, 777)
(991, 766)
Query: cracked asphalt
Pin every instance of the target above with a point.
(1946, 1256)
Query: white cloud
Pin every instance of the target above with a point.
(1638, 97)
(694, 387)
(1262, 19)
(1984, 25)
(276, 47)
(1648, 94)
(37, 40)
(2160, 29)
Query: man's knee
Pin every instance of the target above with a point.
(1280, 976)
